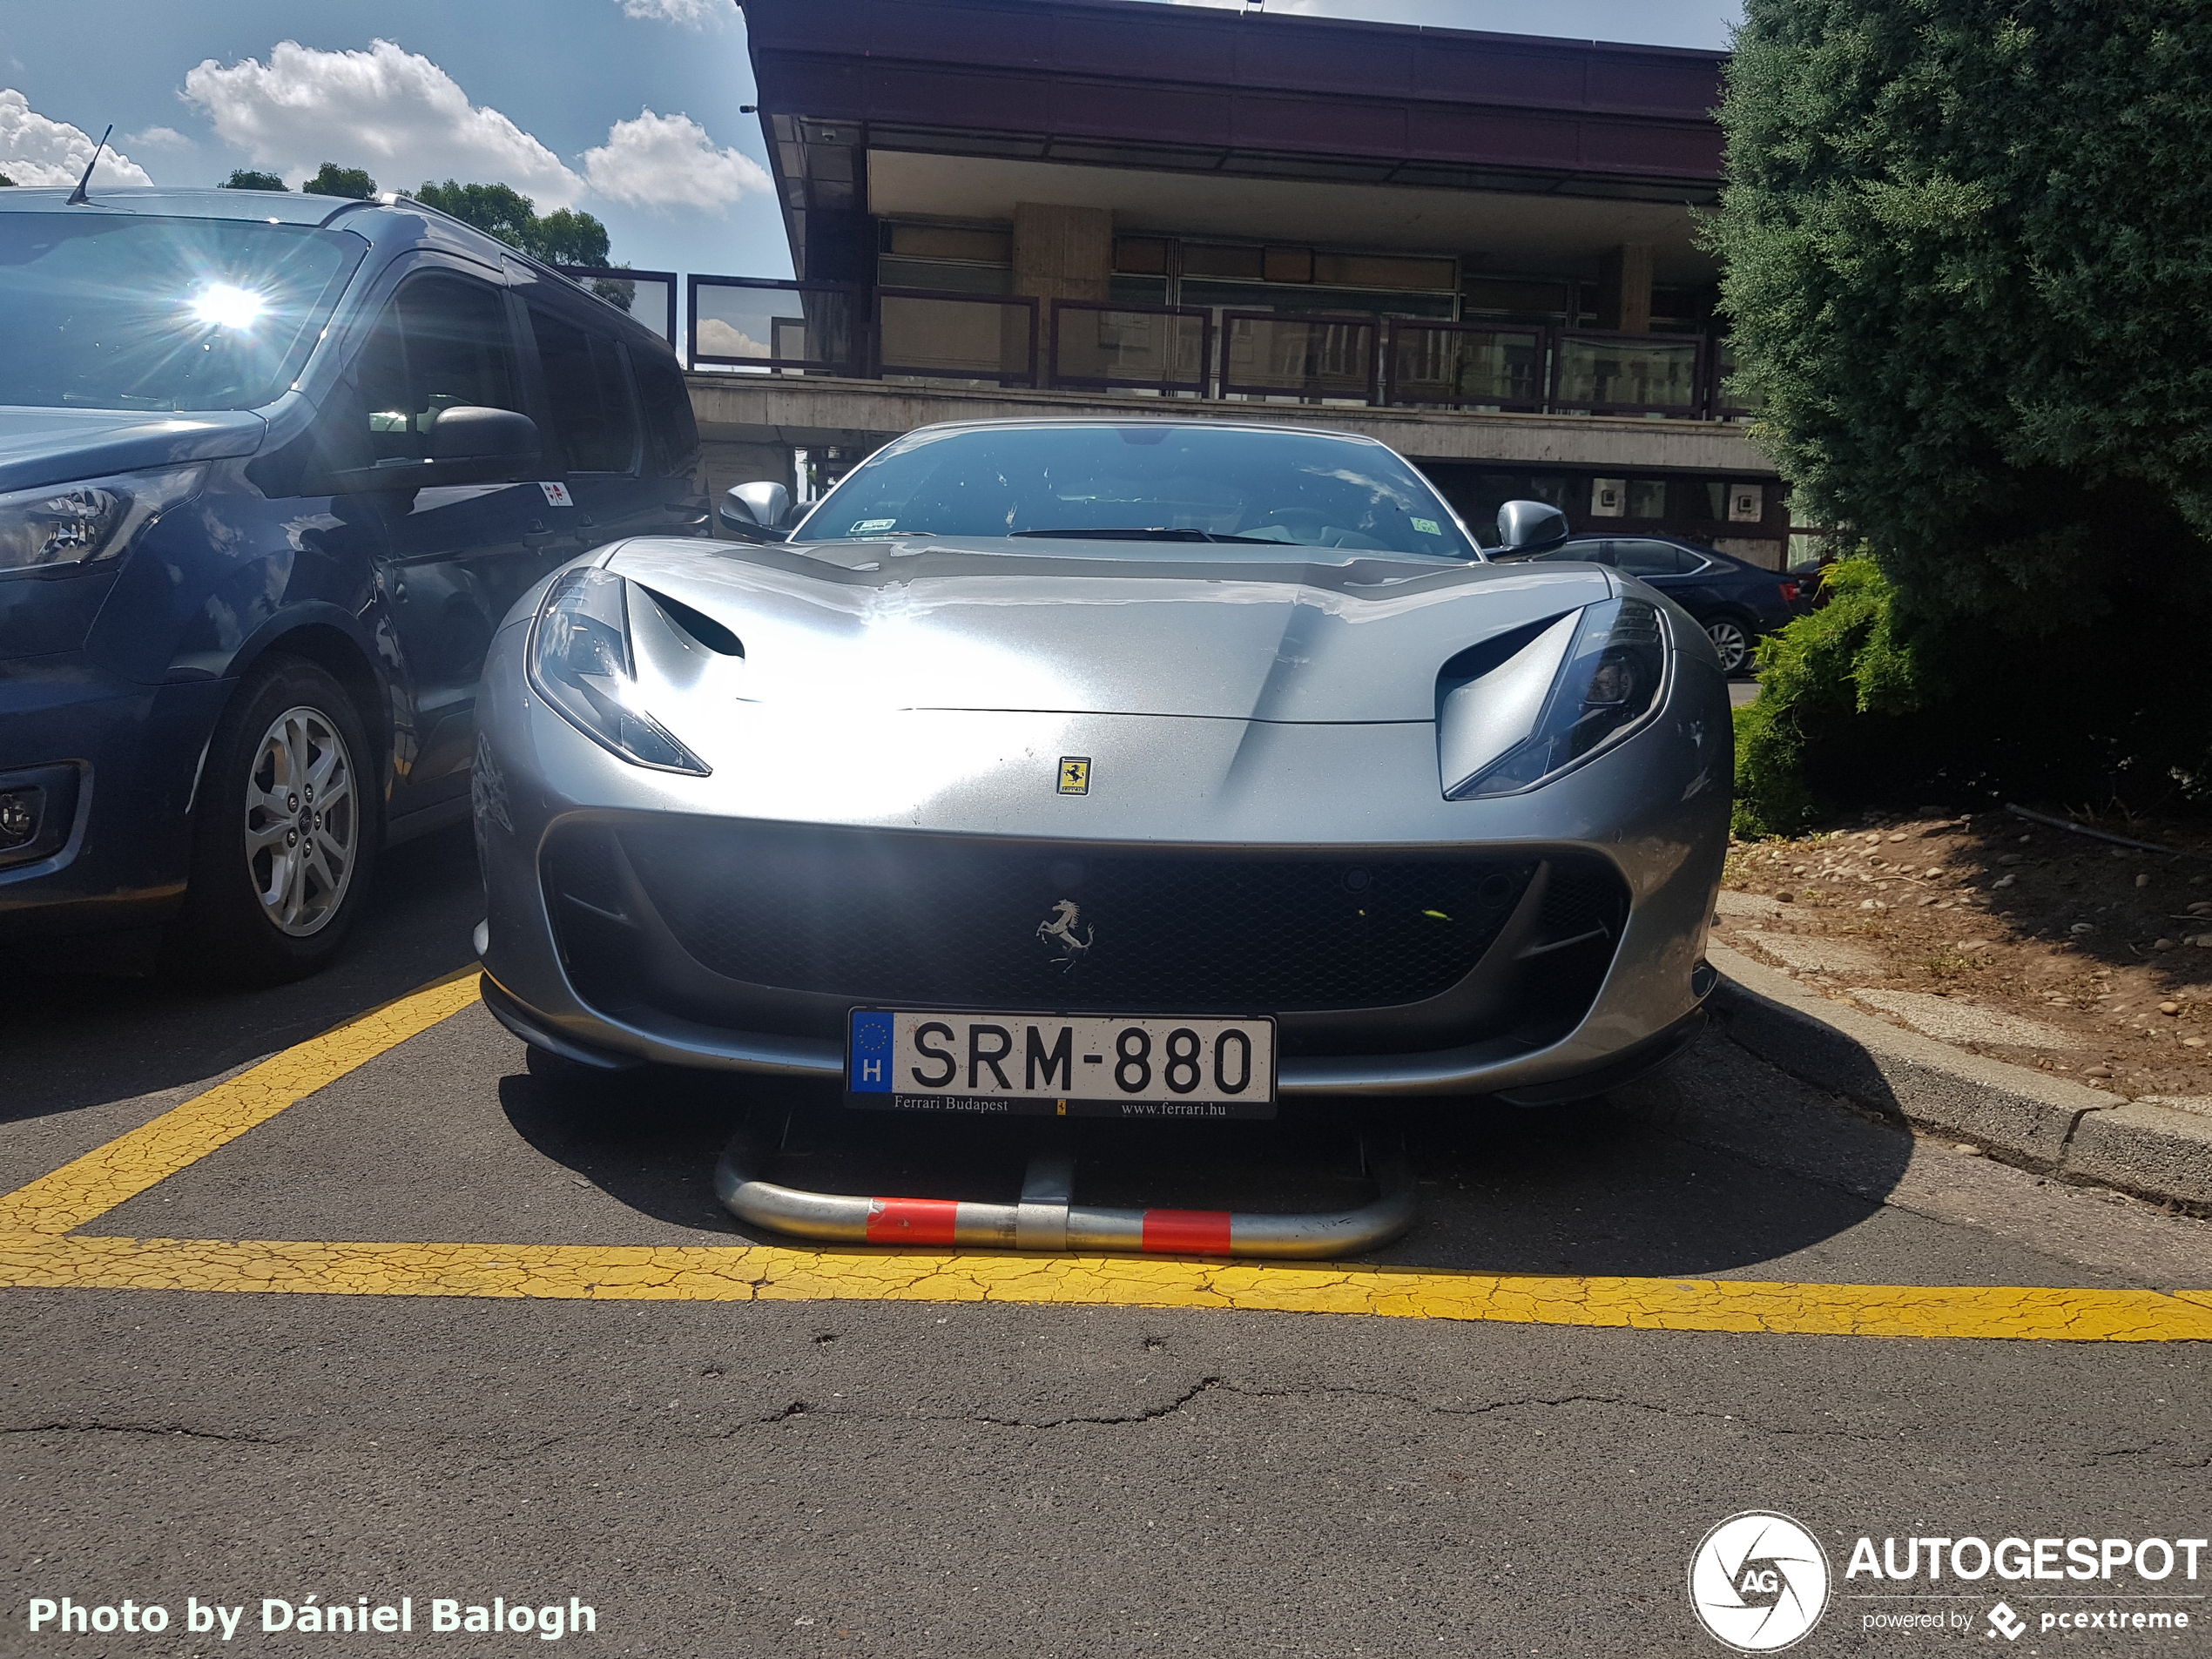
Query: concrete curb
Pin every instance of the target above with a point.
(2045, 1123)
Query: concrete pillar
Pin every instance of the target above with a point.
(1624, 289)
(1060, 253)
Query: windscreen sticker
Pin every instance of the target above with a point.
(557, 495)
(869, 525)
(1428, 527)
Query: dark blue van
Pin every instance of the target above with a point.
(273, 468)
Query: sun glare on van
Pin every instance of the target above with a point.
(223, 306)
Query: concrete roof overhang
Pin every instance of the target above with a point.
(1050, 89)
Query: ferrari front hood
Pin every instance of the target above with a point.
(1310, 636)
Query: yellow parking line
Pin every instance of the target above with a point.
(39, 1247)
(89, 1187)
(741, 1273)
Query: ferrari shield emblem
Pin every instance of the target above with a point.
(1075, 774)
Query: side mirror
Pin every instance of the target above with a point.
(470, 444)
(465, 432)
(1530, 527)
(756, 512)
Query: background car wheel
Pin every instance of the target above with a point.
(1733, 641)
(284, 830)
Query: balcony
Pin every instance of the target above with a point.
(928, 338)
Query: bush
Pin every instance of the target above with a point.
(1968, 252)
(1862, 702)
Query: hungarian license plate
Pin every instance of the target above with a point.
(1064, 1065)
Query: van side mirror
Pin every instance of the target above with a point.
(756, 512)
(1530, 527)
(468, 445)
(466, 433)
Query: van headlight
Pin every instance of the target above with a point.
(59, 525)
(1510, 721)
(580, 663)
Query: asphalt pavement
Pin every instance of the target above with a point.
(924, 1457)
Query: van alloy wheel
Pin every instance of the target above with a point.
(302, 821)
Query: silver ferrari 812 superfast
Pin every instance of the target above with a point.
(1165, 767)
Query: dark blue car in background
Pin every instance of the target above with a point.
(273, 468)
(1734, 601)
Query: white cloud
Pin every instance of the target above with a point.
(666, 161)
(719, 339)
(393, 112)
(34, 150)
(160, 138)
(693, 12)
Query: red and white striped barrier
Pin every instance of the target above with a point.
(1046, 1218)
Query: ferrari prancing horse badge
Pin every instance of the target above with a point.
(1075, 774)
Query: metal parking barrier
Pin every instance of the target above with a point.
(1046, 1217)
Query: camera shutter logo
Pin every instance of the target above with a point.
(1759, 1581)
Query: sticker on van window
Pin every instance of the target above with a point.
(869, 525)
(557, 495)
(1428, 527)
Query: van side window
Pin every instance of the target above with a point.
(595, 429)
(441, 342)
(671, 433)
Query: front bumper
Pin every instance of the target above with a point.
(117, 760)
(1587, 965)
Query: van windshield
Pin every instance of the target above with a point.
(1159, 482)
(100, 312)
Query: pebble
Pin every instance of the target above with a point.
(2083, 927)
(2142, 880)
(2192, 1043)
(1968, 1149)
(2170, 1007)
(2096, 1071)
(1971, 944)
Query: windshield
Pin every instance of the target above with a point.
(1185, 482)
(98, 312)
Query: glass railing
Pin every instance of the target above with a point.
(1132, 348)
(649, 296)
(956, 336)
(802, 328)
(787, 328)
(1629, 373)
(1312, 359)
(1464, 365)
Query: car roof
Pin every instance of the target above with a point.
(1135, 417)
(386, 213)
(1702, 549)
(274, 206)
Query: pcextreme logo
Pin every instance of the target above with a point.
(1759, 1581)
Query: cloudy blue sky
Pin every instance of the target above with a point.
(628, 109)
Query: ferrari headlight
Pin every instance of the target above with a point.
(78, 523)
(1574, 687)
(581, 662)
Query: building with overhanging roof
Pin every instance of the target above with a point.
(1481, 248)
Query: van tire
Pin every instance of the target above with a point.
(278, 877)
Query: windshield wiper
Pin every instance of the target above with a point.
(1157, 533)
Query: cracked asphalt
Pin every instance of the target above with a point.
(895, 1477)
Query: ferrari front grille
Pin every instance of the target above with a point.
(910, 919)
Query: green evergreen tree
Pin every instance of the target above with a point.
(1967, 251)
